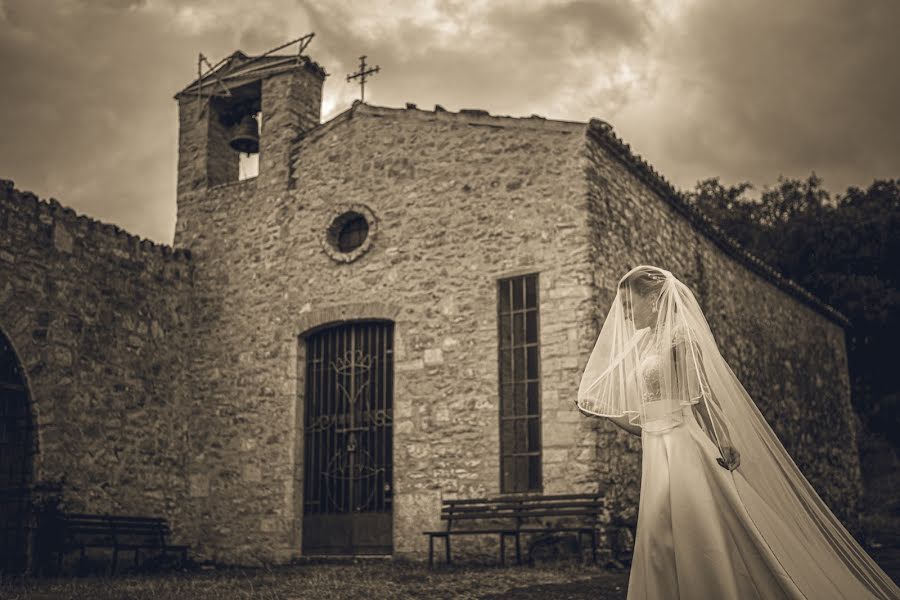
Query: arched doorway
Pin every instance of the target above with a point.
(16, 450)
(348, 436)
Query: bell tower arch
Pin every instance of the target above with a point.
(219, 116)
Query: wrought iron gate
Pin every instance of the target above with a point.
(16, 450)
(348, 440)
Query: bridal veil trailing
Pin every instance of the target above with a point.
(656, 363)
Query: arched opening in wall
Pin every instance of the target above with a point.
(248, 162)
(348, 439)
(235, 147)
(17, 448)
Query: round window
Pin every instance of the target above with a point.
(351, 231)
(349, 234)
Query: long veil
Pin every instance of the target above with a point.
(655, 325)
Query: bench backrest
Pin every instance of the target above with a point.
(115, 530)
(514, 510)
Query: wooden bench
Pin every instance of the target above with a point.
(80, 531)
(508, 515)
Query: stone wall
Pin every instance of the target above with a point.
(799, 381)
(98, 319)
(459, 203)
(168, 382)
(460, 200)
(172, 382)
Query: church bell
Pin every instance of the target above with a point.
(246, 135)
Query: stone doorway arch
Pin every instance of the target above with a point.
(348, 439)
(17, 449)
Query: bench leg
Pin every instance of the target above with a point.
(594, 546)
(447, 547)
(502, 549)
(430, 550)
(115, 559)
(518, 550)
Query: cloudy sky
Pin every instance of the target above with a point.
(741, 90)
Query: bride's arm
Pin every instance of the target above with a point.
(714, 425)
(620, 421)
(624, 424)
(720, 431)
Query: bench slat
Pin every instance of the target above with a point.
(110, 526)
(535, 506)
(507, 512)
(513, 516)
(508, 498)
(116, 518)
(508, 530)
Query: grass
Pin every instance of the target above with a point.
(337, 580)
(880, 520)
(374, 579)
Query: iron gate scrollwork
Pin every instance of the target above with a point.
(348, 440)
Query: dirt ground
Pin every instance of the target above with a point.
(389, 579)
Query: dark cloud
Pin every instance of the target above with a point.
(765, 88)
(699, 87)
(515, 60)
(582, 26)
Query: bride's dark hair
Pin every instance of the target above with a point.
(646, 284)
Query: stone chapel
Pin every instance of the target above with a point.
(396, 309)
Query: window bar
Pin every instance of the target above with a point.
(327, 405)
(307, 431)
(315, 403)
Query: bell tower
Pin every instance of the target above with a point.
(219, 116)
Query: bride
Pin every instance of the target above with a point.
(724, 511)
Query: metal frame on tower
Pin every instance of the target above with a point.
(303, 41)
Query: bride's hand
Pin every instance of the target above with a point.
(732, 456)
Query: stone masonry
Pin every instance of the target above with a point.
(180, 373)
(99, 321)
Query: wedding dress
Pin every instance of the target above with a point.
(757, 531)
(693, 539)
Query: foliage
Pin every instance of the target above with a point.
(846, 250)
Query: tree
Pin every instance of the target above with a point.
(844, 250)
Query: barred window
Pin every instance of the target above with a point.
(520, 384)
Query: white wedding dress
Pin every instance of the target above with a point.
(695, 539)
(704, 532)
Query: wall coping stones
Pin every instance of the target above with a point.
(52, 212)
(603, 134)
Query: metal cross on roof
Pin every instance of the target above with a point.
(362, 74)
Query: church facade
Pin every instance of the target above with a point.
(394, 311)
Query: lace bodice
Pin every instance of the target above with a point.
(657, 416)
(649, 368)
(650, 390)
